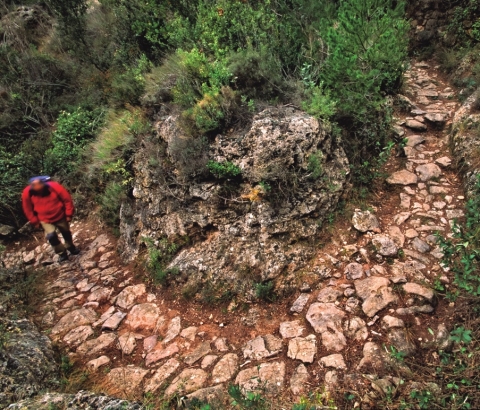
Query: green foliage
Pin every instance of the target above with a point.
(160, 253)
(223, 170)
(249, 400)
(74, 130)
(462, 253)
(265, 291)
(423, 398)
(465, 22)
(319, 103)
(461, 335)
(315, 167)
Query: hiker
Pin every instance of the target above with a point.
(47, 203)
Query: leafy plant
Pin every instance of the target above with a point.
(249, 400)
(315, 167)
(223, 170)
(265, 291)
(160, 254)
(461, 335)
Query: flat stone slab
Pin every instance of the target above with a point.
(124, 380)
(267, 378)
(262, 347)
(173, 330)
(329, 295)
(354, 271)
(160, 352)
(326, 319)
(143, 316)
(303, 348)
(291, 329)
(127, 297)
(355, 328)
(376, 294)
(198, 353)
(416, 289)
(299, 380)
(188, 381)
(95, 346)
(385, 245)
(415, 125)
(300, 303)
(161, 375)
(113, 321)
(402, 177)
(78, 335)
(95, 364)
(73, 320)
(365, 221)
(127, 343)
(427, 172)
(334, 360)
(389, 321)
(225, 369)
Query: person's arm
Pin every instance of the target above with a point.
(66, 199)
(28, 207)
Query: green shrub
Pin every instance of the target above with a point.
(265, 291)
(160, 253)
(110, 201)
(223, 169)
(315, 167)
(319, 103)
(74, 130)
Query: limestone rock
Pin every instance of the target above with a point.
(263, 153)
(389, 321)
(402, 177)
(300, 303)
(365, 221)
(326, 319)
(420, 245)
(78, 335)
(419, 290)
(225, 369)
(198, 353)
(353, 271)
(208, 360)
(208, 394)
(414, 140)
(397, 236)
(94, 364)
(113, 321)
(161, 375)
(428, 171)
(188, 381)
(334, 360)
(159, 353)
(329, 295)
(127, 297)
(375, 293)
(95, 346)
(268, 377)
(415, 125)
(303, 348)
(124, 380)
(299, 380)
(221, 344)
(262, 347)
(355, 328)
(76, 318)
(143, 316)
(384, 245)
(398, 337)
(100, 295)
(372, 357)
(173, 329)
(189, 333)
(291, 329)
(127, 343)
(444, 162)
(437, 118)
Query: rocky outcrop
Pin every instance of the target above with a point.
(465, 140)
(293, 173)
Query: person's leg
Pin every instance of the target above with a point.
(52, 237)
(64, 228)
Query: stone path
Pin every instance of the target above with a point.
(338, 335)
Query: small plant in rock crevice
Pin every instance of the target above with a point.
(223, 170)
(159, 255)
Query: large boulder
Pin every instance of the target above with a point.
(293, 173)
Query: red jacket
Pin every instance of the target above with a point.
(50, 208)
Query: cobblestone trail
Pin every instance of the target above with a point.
(104, 318)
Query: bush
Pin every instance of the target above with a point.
(223, 169)
(265, 291)
(315, 167)
(74, 130)
(160, 253)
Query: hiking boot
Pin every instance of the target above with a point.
(73, 250)
(63, 257)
